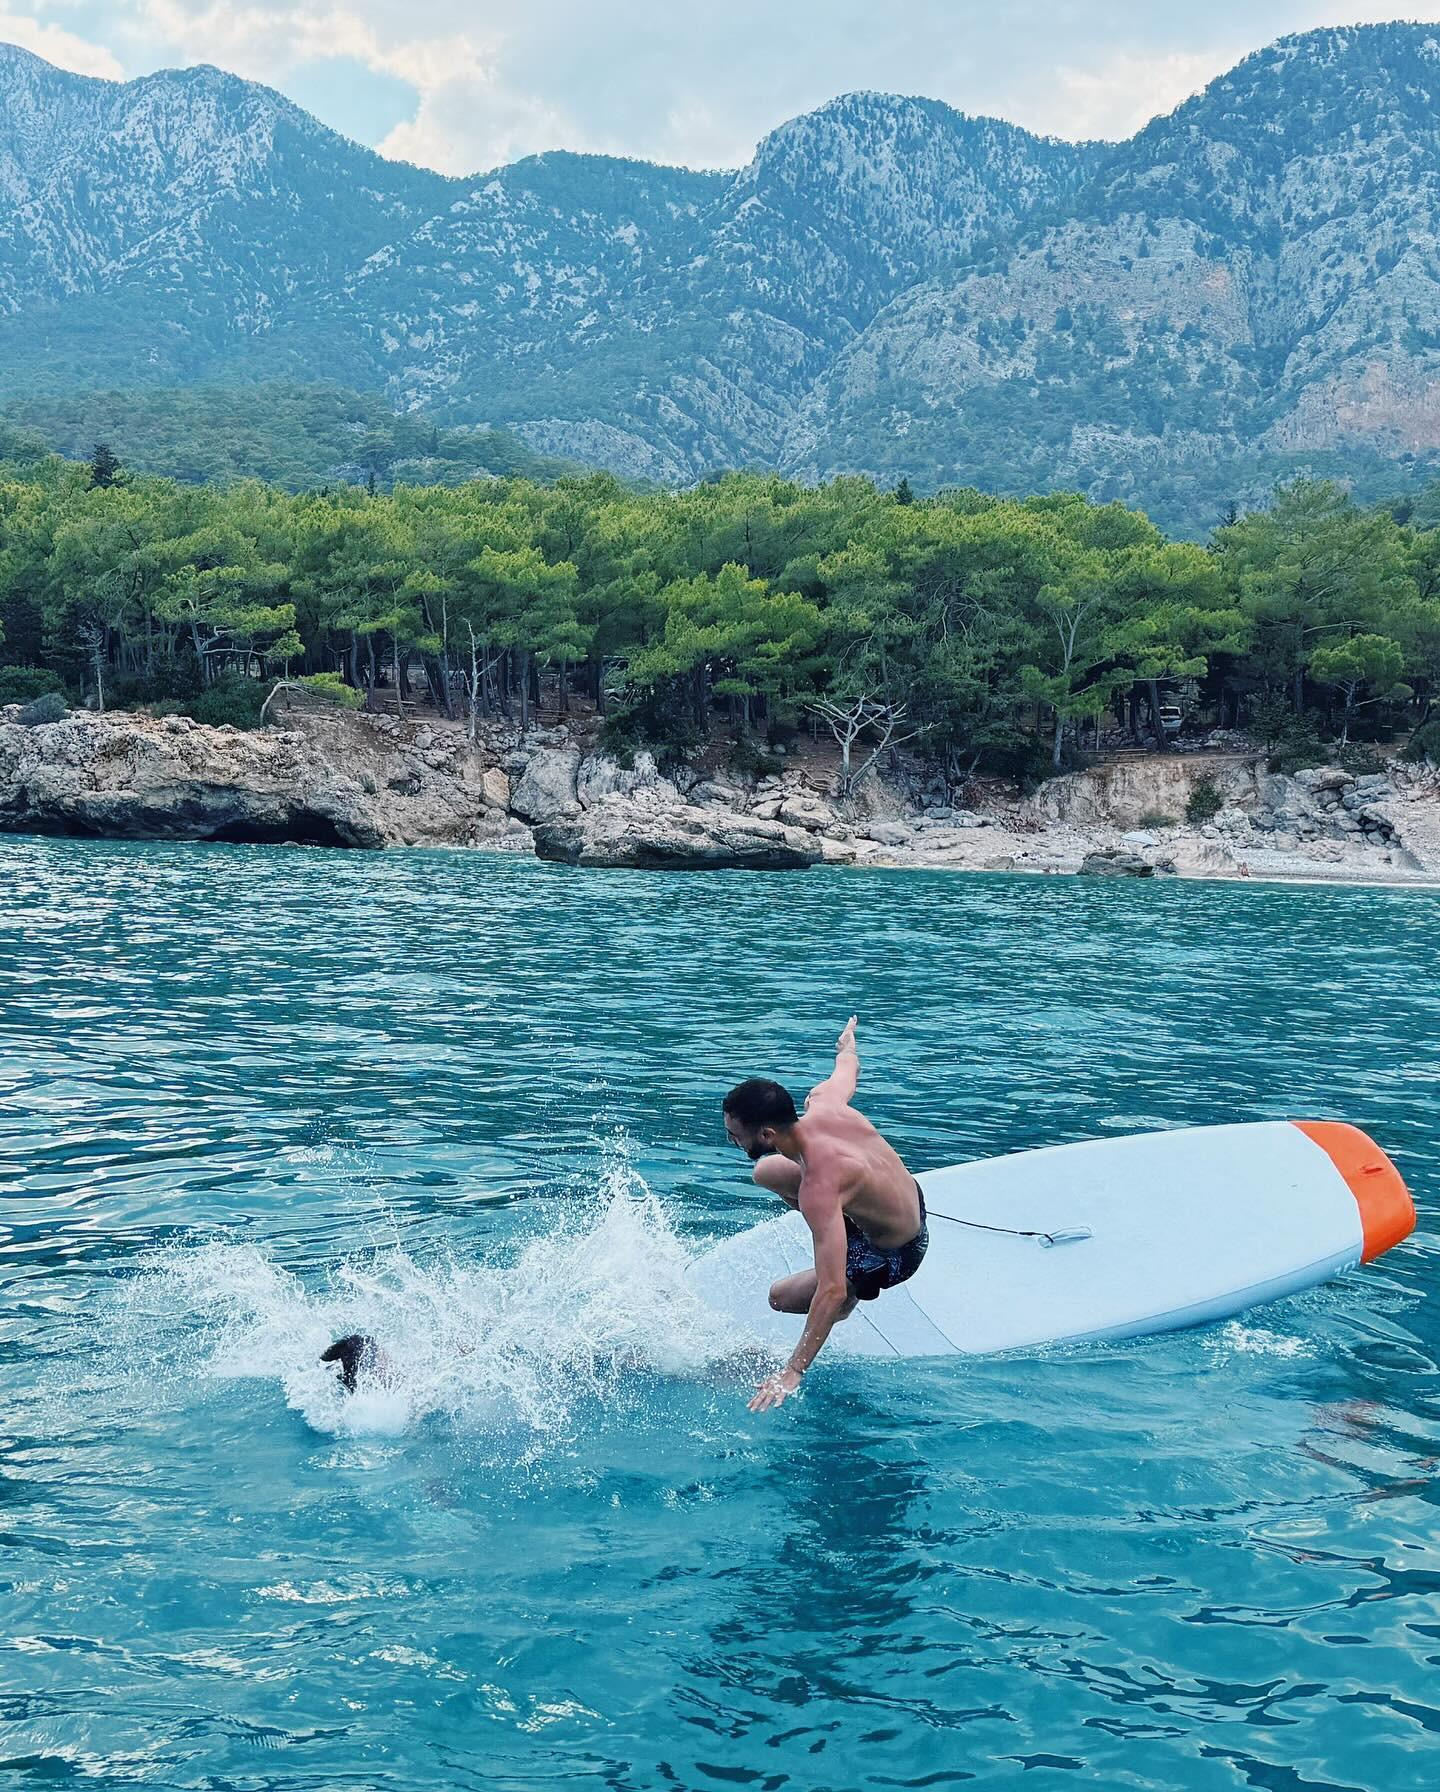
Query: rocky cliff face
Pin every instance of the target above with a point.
(1248, 286)
(163, 227)
(1254, 275)
(331, 780)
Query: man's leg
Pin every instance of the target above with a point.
(781, 1177)
(793, 1294)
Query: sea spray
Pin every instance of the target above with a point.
(516, 1336)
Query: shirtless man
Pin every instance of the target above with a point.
(864, 1209)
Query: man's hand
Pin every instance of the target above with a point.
(846, 1041)
(774, 1389)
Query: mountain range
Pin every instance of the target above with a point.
(1247, 288)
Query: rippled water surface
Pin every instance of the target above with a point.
(250, 1095)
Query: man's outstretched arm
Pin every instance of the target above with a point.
(840, 1084)
(825, 1216)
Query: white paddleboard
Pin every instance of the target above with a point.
(1185, 1227)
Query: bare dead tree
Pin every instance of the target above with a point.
(92, 640)
(280, 684)
(849, 721)
(477, 682)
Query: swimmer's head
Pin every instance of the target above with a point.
(353, 1353)
(756, 1112)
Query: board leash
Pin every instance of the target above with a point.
(1062, 1234)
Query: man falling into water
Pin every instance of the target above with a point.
(865, 1211)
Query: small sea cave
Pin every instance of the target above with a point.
(302, 827)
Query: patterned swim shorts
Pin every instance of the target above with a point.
(869, 1270)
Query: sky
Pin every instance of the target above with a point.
(466, 85)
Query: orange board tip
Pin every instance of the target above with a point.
(1387, 1214)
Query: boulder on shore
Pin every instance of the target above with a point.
(601, 776)
(547, 785)
(494, 788)
(682, 838)
(1118, 861)
(802, 811)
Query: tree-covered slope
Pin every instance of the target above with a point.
(294, 436)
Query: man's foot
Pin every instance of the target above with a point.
(353, 1353)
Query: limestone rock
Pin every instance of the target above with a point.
(682, 838)
(127, 777)
(716, 791)
(501, 833)
(600, 777)
(323, 777)
(1115, 861)
(547, 786)
(945, 839)
(494, 788)
(805, 812)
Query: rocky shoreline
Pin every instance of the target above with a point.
(333, 778)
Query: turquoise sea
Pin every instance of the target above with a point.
(250, 1096)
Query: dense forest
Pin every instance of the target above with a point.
(990, 632)
(289, 433)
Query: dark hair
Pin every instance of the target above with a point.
(353, 1353)
(759, 1102)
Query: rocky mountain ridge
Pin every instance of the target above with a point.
(1247, 287)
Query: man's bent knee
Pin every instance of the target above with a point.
(793, 1294)
(779, 1175)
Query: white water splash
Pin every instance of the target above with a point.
(1235, 1338)
(515, 1340)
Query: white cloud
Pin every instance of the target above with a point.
(467, 122)
(260, 41)
(466, 118)
(497, 79)
(59, 46)
(1115, 98)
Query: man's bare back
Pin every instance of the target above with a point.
(876, 1190)
(864, 1209)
